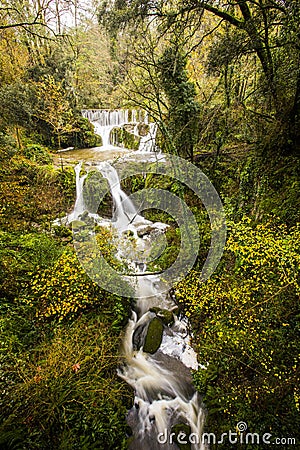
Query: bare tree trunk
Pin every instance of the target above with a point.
(18, 137)
(295, 118)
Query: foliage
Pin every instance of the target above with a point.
(246, 329)
(65, 290)
(7, 146)
(53, 107)
(31, 194)
(37, 153)
(269, 187)
(183, 114)
(83, 135)
(66, 179)
(20, 254)
(63, 391)
(16, 104)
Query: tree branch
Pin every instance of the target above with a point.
(223, 15)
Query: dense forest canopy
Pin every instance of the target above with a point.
(222, 81)
(241, 57)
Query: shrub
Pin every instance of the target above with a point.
(65, 392)
(37, 153)
(246, 325)
(65, 291)
(20, 254)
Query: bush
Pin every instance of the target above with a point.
(65, 291)
(8, 146)
(31, 195)
(246, 325)
(37, 153)
(65, 393)
(20, 254)
(83, 136)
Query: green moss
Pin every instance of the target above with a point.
(182, 432)
(154, 336)
(165, 315)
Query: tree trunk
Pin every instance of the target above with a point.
(18, 137)
(295, 118)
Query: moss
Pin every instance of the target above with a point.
(165, 315)
(183, 431)
(154, 336)
(78, 224)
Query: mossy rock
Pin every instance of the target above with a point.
(62, 231)
(183, 431)
(78, 224)
(154, 336)
(128, 233)
(165, 315)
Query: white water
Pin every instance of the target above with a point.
(164, 395)
(147, 142)
(79, 207)
(105, 121)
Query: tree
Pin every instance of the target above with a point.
(183, 114)
(29, 16)
(266, 29)
(53, 108)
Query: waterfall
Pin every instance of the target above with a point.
(124, 210)
(164, 394)
(105, 121)
(79, 207)
(147, 142)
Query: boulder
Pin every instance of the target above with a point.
(78, 224)
(165, 315)
(154, 336)
(183, 431)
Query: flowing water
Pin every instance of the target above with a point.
(105, 121)
(164, 394)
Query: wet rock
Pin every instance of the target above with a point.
(138, 337)
(86, 218)
(154, 336)
(84, 215)
(142, 231)
(78, 224)
(182, 432)
(165, 315)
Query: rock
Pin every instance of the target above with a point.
(78, 224)
(128, 233)
(139, 337)
(62, 231)
(84, 215)
(144, 230)
(183, 431)
(165, 315)
(154, 336)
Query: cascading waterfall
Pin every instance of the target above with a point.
(164, 395)
(105, 121)
(147, 142)
(79, 207)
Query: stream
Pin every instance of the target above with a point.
(156, 346)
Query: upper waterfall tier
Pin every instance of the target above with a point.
(105, 121)
(118, 117)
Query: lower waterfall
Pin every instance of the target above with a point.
(165, 400)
